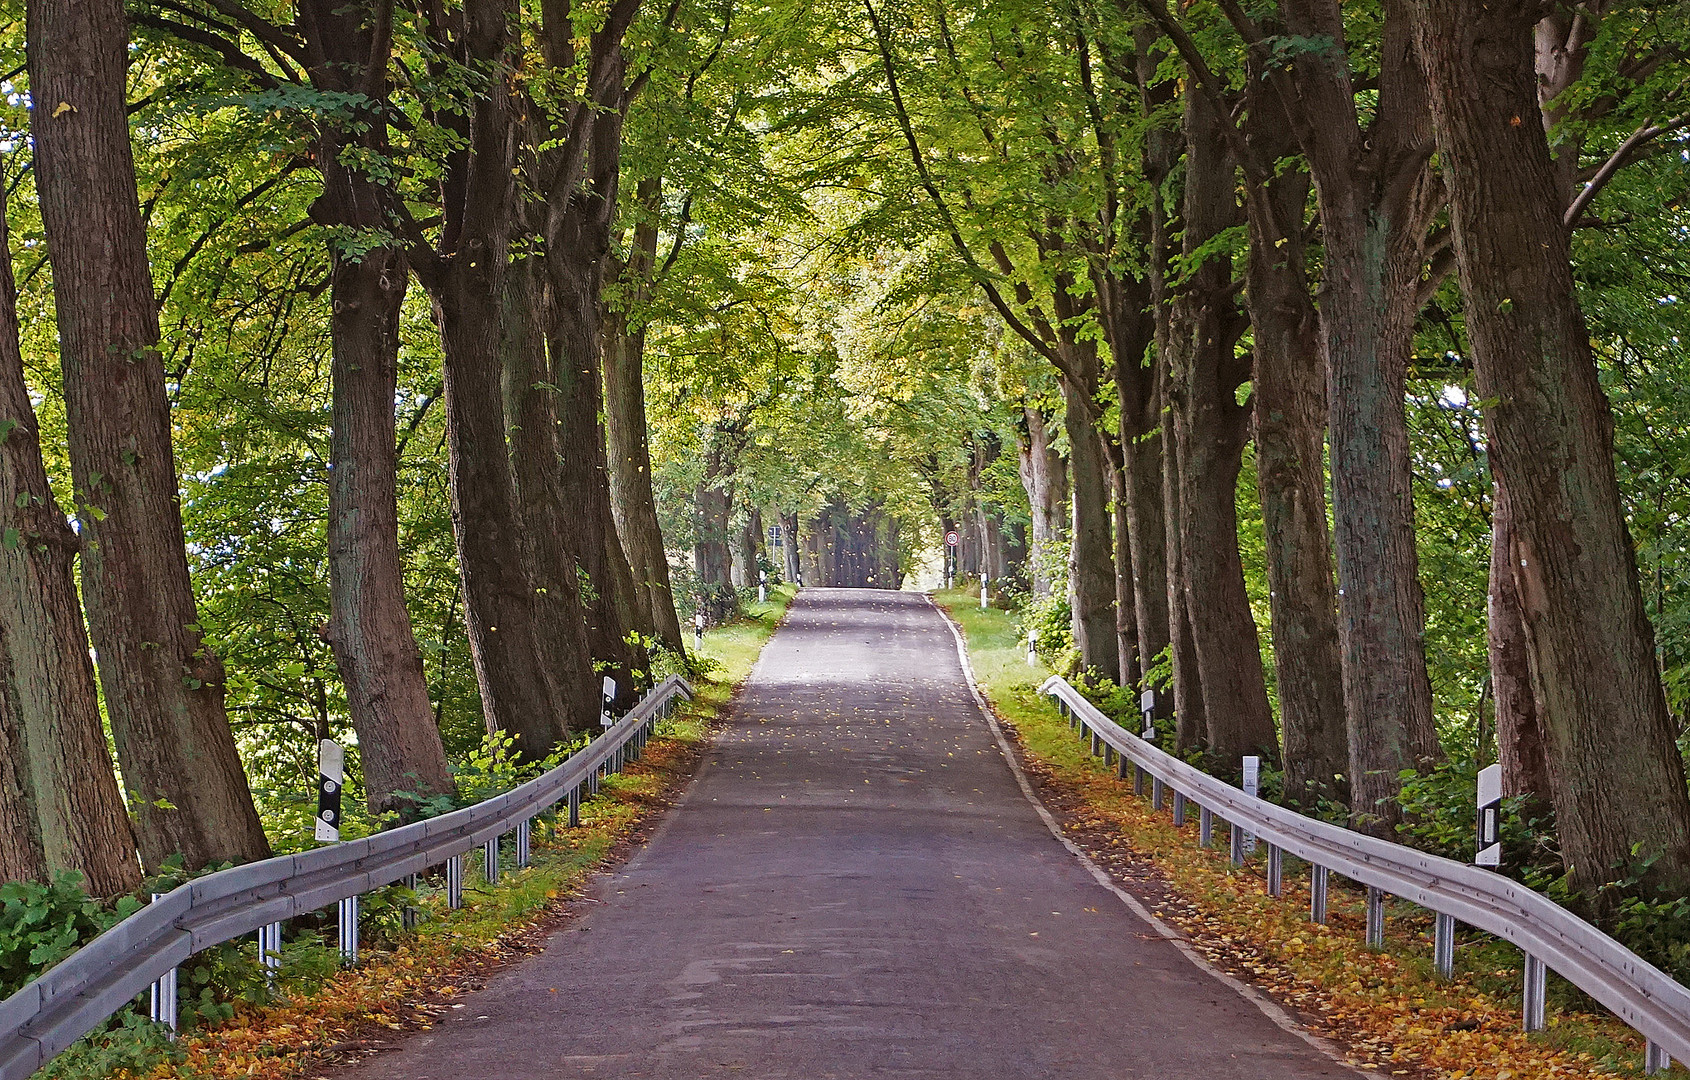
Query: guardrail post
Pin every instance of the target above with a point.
(490, 861)
(524, 833)
(1205, 826)
(1276, 870)
(1235, 836)
(1655, 1058)
(1096, 744)
(1375, 918)
(1179, 809)
(349, 930)
(1121, 767)
(1532, 999)
(1158, 793)
(1317, 893)
(164, 994)
(270, 952)
(1138, 779)
(455, 882)
(1108, 754)
(575, 806)
(164, 1001)
(1443, 945)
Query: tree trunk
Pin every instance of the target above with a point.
(616, 614)
(1376, 199)
(561, 614)
(1045, 478)
(1618, 779)
(789, 546)
(21, 857)
(1519, 729)
(375, 648)
(632, 502)
(1091, 569)
(1289, 399)
(1190, 717)
(713, 514)
(1205, 371)
(520, 693)
(1126, 604)
(163, 686)
(60, 808)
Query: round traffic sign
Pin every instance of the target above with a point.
(951, 539)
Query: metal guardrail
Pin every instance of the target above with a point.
(78, 994)
(1633, 989)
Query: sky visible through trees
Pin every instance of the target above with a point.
(391, 372)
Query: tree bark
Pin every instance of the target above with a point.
(632, 501)
(1376, 199)
(370, 633)
(1044, 476)
(1288, 396)
(533, 700)
(60, 808)
(1205, 371)
(1091, 565)
(1519, 729)
(164, 687)
(789, 545)
(616, 619)
(1618, 779)
(1190, 717)
(562, 616)
(713, 513)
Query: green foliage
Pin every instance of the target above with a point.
(41, 924)
(1438, 811)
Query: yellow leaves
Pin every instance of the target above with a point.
(62, 108)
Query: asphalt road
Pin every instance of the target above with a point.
(855, 886)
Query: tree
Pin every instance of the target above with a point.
(345, 50)
(163, 687)
(58, 797)
(1618, 779)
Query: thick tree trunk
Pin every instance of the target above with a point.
(632, 501)
(1619, 785)
(370, 633)
(561, 615)
(60, 808)
(1376, 198)
(1519, 729)
(1205, 371)
(616, 614)
(520, 692)
(1289, 399)
(1091, 569)
(1044, 475)
(164, 688)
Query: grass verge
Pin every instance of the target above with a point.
(326, 1017)
(1385, 1007)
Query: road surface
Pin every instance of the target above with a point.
(855, 886)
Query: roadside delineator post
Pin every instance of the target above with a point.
(1252, 788)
